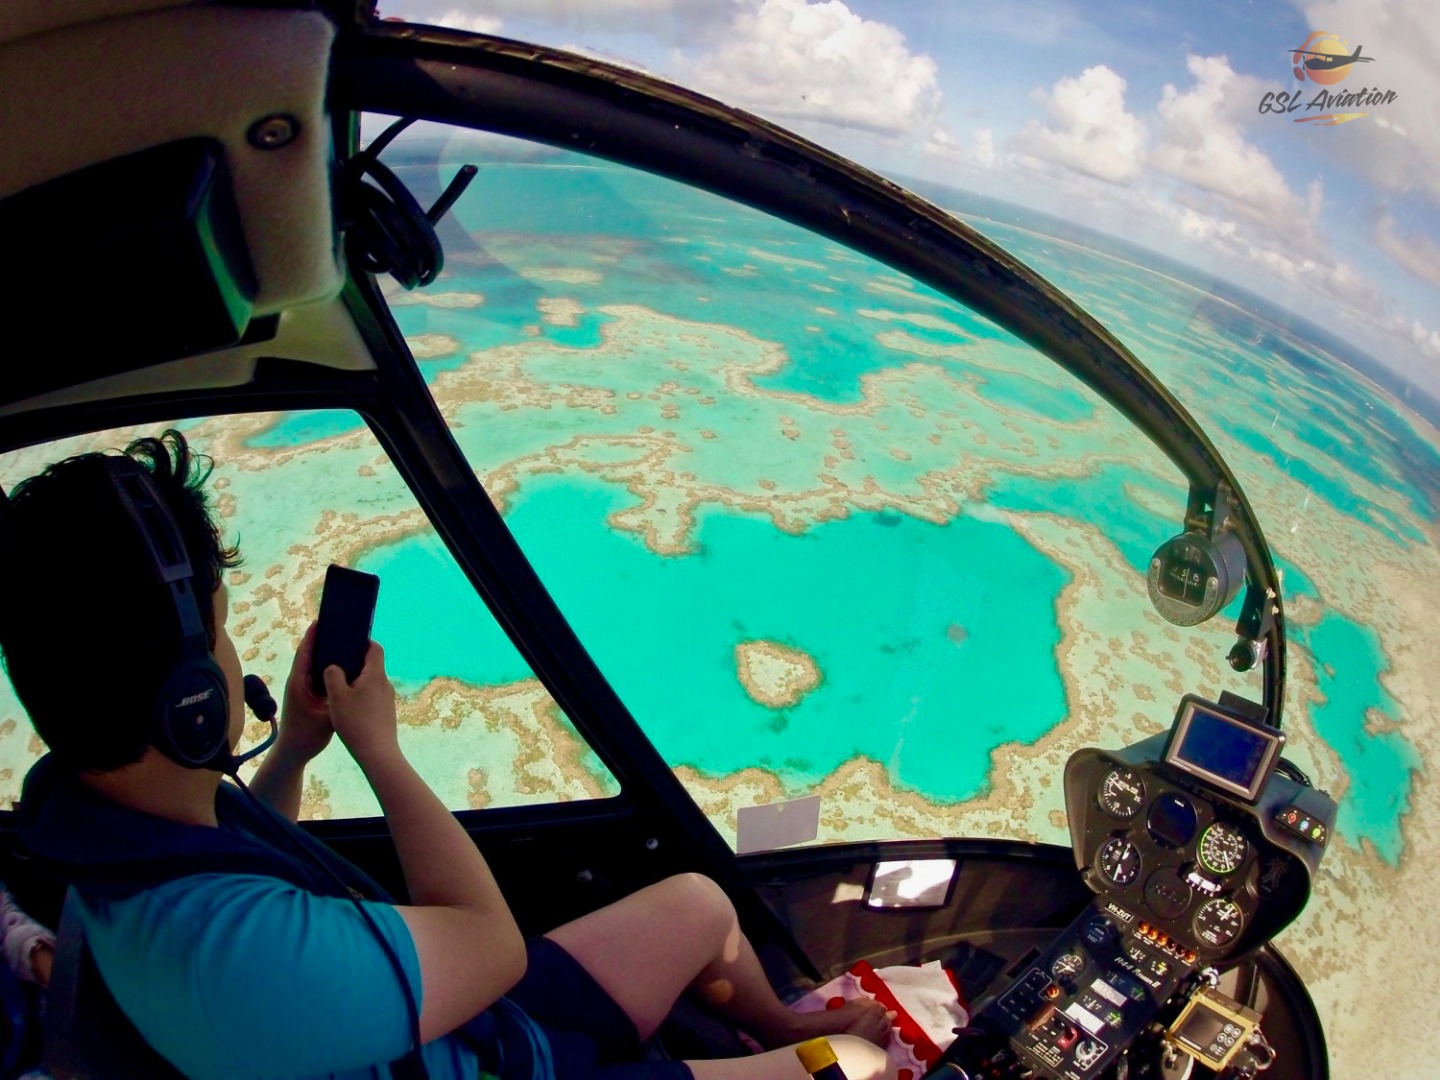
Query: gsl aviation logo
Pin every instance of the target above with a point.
(1326, 59)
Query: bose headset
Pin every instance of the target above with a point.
(191, 718)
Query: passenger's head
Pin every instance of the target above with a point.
(87, 632)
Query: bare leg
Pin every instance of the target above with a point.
(648, 948)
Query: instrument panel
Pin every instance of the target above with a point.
(1198, 851)
(1203, 871)
(1176, 857)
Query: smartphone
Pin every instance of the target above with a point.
(347, 612)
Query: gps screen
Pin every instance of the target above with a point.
(1219, 748)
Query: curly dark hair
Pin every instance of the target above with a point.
(87, 632)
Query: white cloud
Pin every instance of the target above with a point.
(1399, 146)
(1200, 141)
(1418, 254)
(801, 63)
(985, 155)
(1090, 129)
(466, 20)
(791, 60)
(942, 144)
(1425, 339)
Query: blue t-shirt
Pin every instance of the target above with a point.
(240, 975)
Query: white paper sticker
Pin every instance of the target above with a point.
(777, 824)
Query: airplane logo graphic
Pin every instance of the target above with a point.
(1320, 61)
(1324, 58)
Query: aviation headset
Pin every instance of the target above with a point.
(390, 232)
(190, 723)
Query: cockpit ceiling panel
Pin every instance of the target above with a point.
(137, 81)
(21, 18)
(323, 334)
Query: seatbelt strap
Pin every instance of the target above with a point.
(62, 1056)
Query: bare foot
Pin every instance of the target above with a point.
(864, 1018)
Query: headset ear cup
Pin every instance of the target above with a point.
(194, 715)
(392, 232)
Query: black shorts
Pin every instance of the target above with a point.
(590, 1035)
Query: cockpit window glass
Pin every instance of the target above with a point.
(300, 491)
(825, 531)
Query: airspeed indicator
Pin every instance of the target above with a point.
(1222, 848)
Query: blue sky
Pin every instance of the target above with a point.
(1140, 120)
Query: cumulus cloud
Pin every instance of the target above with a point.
(794, 60)
(799, 62)
(1090, 130)
(1201, 141)
(1418, 254)
(1296, 261)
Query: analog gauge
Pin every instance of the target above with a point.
(1222, 848)
(1119, 861)
(1218, 922)
(1121, 793)
(1067, 966)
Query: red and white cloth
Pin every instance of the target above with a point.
(926, 1002)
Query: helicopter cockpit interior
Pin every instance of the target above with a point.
(708, 475)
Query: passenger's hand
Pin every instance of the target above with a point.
(305, 728)
(363, 712)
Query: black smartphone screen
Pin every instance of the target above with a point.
(347, 612)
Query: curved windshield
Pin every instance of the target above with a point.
(1257, 222)
(832, 537)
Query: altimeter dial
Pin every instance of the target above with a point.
(1222, 848)
(1122, 793)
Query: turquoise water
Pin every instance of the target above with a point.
(875, 600)
(1021, 394)
(1329, 486)
(298, 428)
(697, 257)
(1270, 377)
(1379, 764)
(1296, 581)
(936, 642)
(1135, 530)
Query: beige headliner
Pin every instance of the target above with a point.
(84, 81)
